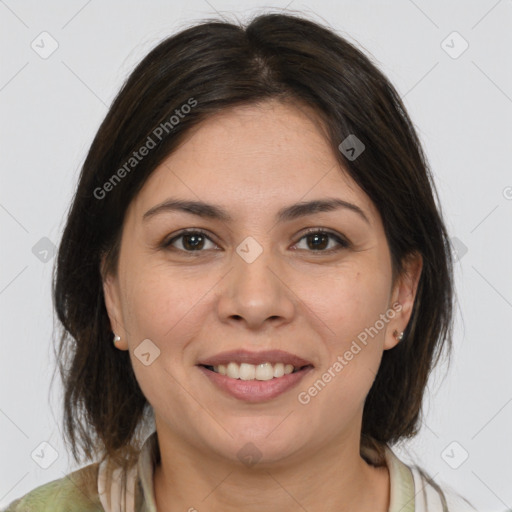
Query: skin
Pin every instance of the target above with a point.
(252, 161)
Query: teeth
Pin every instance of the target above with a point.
(245, 371)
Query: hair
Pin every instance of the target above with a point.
(211, 67)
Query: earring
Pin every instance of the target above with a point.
(116, 338)
(397, 335)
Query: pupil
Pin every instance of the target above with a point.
(194, 244)
(316, 237)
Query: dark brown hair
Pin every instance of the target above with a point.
(214, 66)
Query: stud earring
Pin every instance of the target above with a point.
(397, 335)
(116, 338)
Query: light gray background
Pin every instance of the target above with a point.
(462, 107)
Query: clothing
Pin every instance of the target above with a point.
(410, 490)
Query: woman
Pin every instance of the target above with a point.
(255, 228)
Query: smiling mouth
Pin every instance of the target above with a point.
(246, 371)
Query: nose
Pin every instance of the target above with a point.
(255, 293)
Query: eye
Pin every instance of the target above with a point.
(317, 239)
(192, 240)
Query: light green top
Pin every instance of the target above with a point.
(63, 495)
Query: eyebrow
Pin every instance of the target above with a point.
(287, 213)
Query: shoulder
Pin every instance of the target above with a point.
(75, 492)
(432, 496)
(414, 490)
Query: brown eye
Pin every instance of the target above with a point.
(189, 241)
(318, 241)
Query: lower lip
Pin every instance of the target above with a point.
(256, 390)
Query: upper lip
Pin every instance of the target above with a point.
(264, 356)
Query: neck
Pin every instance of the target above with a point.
(328, 480)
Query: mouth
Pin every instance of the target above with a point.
(255, 376)
(262, 372)
(262, 365)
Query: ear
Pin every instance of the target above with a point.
(402, 298)
(113, 305)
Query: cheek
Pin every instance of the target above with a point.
(161, 302)
(349, 302)
(353, 328)
(164, 307)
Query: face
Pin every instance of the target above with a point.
(252, 274)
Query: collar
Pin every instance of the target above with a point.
(400, 476)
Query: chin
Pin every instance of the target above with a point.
(266, 448)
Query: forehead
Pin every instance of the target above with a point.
(253, 156)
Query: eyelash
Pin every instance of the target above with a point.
(344, 244)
